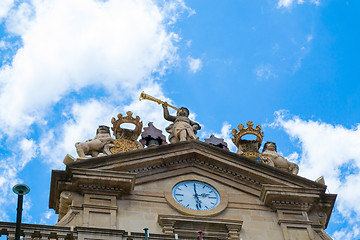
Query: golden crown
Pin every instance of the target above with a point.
(245, 131)
(118, 131)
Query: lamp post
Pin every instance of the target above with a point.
(146, 233)
(20, 190)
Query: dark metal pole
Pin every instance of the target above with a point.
(18, 218)
(146, 233)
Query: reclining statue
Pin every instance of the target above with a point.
(100, 144)
(276, 160)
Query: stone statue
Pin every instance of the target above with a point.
(100, 144)
(183, 128)
(270, 154)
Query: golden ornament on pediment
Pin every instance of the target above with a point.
(123, 133)
(126, 139)
(246, 131)
(256, 156)
(123, 145)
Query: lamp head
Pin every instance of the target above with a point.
(21, 189)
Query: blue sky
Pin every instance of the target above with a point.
(290, 65)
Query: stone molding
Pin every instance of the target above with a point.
(293, 204)
(145, 158)
(189, 226)
(285, 197)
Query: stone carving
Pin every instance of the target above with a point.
(183, 128)
(99, 144)
(248, 148)
(218, 142)
(275, 159)
(151, 136)
(65, 202)
(126, 138)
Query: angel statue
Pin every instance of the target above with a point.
(182, 128)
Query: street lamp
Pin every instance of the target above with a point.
(20, 190)
(146, 233)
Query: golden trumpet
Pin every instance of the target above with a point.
(151, 98)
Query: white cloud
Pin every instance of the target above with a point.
(68, 49)
(309, 38)
(48, 218)
(291, 3)
(195, 64)
(69, 45)
(225, 134)
(331, 151)
(83, 121)
(9, 167)
(5, 6)
(349, 234)
(19, 19)
(316, 2)
(264, 71)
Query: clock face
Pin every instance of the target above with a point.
(196, 195)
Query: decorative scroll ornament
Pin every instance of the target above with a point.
(249, 148)
(126, 138)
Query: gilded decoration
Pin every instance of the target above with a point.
(246, 131)
(123, 145)
(126, 138)
(249, 148)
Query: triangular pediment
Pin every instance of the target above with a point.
(194, 156)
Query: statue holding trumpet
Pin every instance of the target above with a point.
(182, 128)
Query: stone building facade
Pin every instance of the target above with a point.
(117, 196)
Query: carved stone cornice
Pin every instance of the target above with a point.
(285, 197)
(89, 181)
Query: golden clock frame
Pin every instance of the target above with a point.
(224, 199)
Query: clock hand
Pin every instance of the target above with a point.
(203, 195)
(196, 195)
(198, 202)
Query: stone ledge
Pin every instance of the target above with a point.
(189, 226)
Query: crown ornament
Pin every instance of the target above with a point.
(126, 138)
(120, 132)
(247, 131)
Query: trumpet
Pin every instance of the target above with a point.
(151, 98)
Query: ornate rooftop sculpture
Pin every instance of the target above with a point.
(151, 136)
(101, 143)
(248, 148)
(182, 128)
(274, 159)
(126, 138)
(218, 142)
